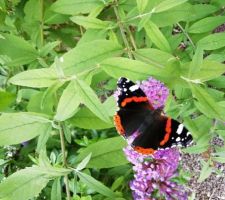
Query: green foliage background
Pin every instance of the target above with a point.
(59, 63)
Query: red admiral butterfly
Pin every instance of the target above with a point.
(137, 115)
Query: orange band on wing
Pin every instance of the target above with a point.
(135, 99)
(168, 132)
(143, 150)
(118, 124)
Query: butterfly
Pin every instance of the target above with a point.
(153, 129)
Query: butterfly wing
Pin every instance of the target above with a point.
(133, 107)
(162, 132)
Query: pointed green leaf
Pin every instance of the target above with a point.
(16, 186)
(7, 99)
(88, 55)
(153, 57)
(56, 193)
(212, 42)
(205, 172)
(19, 50)
(207, 104)
(104, 154)
(209, 70)
(42, 139)
(90, 22)
(96, 185)
(37, 78)
(167, 4)
(74, 7)
(157, 37)
(84, 162)
(141, 5)
(196, 62)
(206, 24)
(89, 98)
(68, 103)
(85, 119)
(45, 50)
(134, 69)
(36, 178)
(25, 126)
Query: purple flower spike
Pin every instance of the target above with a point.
(156, 92)
(153, 173)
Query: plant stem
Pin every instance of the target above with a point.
(186, 34)
(42, 23)
(126, 43)
(132, 39)
(62, 141)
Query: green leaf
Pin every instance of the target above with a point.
(212, 42)
(19, 50)
(68, 103)
(209, 70)
(218, 82)
(75, 7)
(219, 155)
(167, 4)
(37, 78)
(184, 12)
(153, 57)
(42, 139)
(205, 172)
(141, 5)
(56, 193)
(134, 69)
(49, 94)
(202, 145)
(104, 154)
(198, 126)
(89, 98)
(96, 185)
(25, 126)
(157, 37)
(45, 50)
(85, 119)
(36, 178)
(6, 100)
(196, 62)
(206, 24)
(87, 56)
(84, 162)
(90, 22)
(206, 103)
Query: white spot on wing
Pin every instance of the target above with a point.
(180, 129)
(133, 88)
(178, 139)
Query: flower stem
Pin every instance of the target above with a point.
(122, 30)
(62, 141)
(186, 34)
(132, 39)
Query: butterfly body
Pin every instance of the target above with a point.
(136, 115)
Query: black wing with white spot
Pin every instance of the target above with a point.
(179, 136)
(133, 107)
